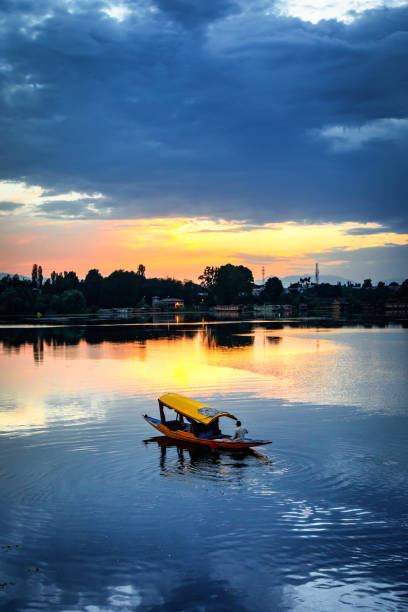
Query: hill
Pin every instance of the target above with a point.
(324, 278)
(20, 276)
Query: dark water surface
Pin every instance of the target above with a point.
(98, 514)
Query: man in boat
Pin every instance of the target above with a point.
(239, 433)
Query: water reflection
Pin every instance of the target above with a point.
(96, 517)
(267, 361)
(181, 459)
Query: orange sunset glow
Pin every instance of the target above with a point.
(268, 365)
(182, 247)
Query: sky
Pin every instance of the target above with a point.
(186, 133)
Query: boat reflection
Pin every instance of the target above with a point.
(199, 461)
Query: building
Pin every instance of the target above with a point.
(170, 303)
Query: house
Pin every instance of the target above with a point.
(170, 303)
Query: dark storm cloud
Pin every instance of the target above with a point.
(206, 109)
(192, 13)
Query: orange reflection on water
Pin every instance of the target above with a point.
(200, 362)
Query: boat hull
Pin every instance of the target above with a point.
(187, 436)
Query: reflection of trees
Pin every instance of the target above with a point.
(65, 336)
(54, 337)
(274, 326)
(38, 349)
(128, 333)
(228, 335)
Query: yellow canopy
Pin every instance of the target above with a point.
(193, 409)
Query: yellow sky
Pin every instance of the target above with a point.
(180, 247)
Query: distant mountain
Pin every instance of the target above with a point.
(324, 278)
(329, 278)
(20, 276)
(398, 280)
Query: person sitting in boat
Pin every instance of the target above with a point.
(239, 433)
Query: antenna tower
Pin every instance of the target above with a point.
(263, 275)
(317, 274)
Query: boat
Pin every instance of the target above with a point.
(196, 423)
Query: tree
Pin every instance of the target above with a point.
(71, 302)
(141, 269)
(273, 289)
(209, 277)
(367, 284)
(65, 282)
(16, 300)
(92, 287)
(233, 284)
(403, 291)
(40, 276)
(191, 293)
(162, 288)
(34, 275)
(122, 288)
(305, 282)
(327, 291)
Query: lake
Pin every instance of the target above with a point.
(98, 513)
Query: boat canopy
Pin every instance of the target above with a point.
(192, 409)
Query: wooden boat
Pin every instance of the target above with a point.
(196, 423)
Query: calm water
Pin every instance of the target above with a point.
(98, 514)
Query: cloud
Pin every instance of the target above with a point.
(118, 11)
(344, 10)
(176, 108)
(344, 138)
(259, 260)
(63, 209)
(9, 207)
(365, 231)
(36, 201)
(192, 13)
(232, 228)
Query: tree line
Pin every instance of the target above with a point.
(64, 292)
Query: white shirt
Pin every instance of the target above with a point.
(240, 433)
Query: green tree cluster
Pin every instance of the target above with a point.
(63, 292)
(272, 291)
(228, 284)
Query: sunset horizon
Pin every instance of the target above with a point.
(184, 134)
(182, 247)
